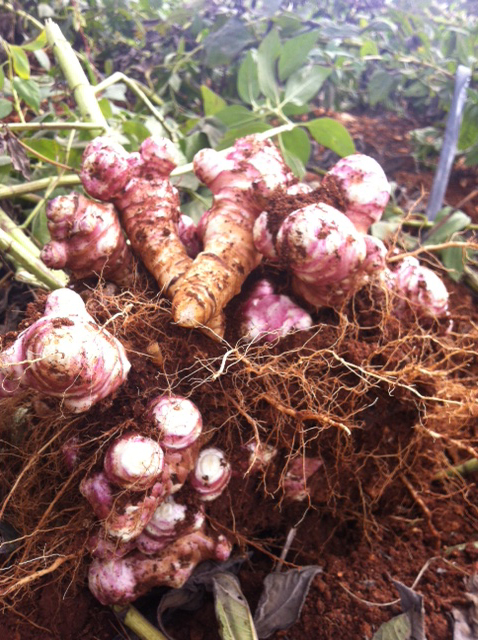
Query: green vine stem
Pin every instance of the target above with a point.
(466, 468)
(51, 126)
(132, 618)
(16, 190)
(23, 253)
(75, 76)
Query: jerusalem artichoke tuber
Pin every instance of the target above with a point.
(65, 354)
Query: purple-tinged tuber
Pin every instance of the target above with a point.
(87, 239)
(365, 187)
(178, 420)
(266, 317)
(65, 354)
(211, 474)
(419, 289)
(295, 481)
(188, 234)
(122, 580)
(134, 462)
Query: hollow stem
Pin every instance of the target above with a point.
(51, 126)
(13, 191)
(132, 618)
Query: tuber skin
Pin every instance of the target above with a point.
(295, 481)
(266, 317)
(188, 235)
(219, 271)
(65, 354)
(138, 185)
(134, 462)
(419, 289)
(365, 187)
(211, 475)
(87, 239)
(178, 420)
(122, 580)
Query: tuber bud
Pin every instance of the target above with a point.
(86, 238)
(419, 289)
(65, 354)
(188, 234)
(134, 462)
(122, 580)
(365, 187)
(178, 420)
(211, 474)
(266, 317)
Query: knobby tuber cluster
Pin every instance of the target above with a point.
(148, 538)
(65, 354)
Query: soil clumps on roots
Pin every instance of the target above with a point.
(387, 406)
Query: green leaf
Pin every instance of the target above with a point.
(331, 134)
(369, 48)
(40, 227)
(2, 78)
(297, 142)
(248, 80)
(21, 65)
(233, 134)
(5, 108)
(42, 59)
(305, 84)
(295, 52)
(469, 128)
(454, 260)
(40, 42)
(223, 45)
(236, 116)
(46, 146)
(105, 107)
(380, 86)
(193, 143)
(267, 55)
(136, 129)
(443, 232)
(211, 101)
(29, 91)
(232, 610)
(398, 628)
(294, 163)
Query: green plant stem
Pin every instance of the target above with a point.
(75, 76)
(51, 126)
(69, 180)
(466, 468)
(18, 248)
(132, 618)
(133, 85)
(21, 14)
(16, 101)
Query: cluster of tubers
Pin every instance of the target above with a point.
(147, 537)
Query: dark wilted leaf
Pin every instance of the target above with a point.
(232, 610)
(282, 599)
(466, 620)
(410, 625)
(19, 158)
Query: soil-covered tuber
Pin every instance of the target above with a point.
(266, 316)
(178, 420)
(134, 462)
(65, 354)
(122, 580)
(253, 167)
(87, 239)
(211, 473)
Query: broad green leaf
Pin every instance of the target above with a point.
(234, 134)
(294, 163)
(21, 66)
(42, 59)
(398, 628)
(2, 78)
(40, 42)
(295, 110)
(455, 223)
(454, 260)
(416, 90)
(223, 45)
(295, 52)
(267, 55)
(297, 142)
(40, 228)
(232, 610)
(5, 108)
(193, 143)
(136, 129)
(105, 107)
(369, 48)
(305, 84)
(380, 86)
(331, 134)
(29, 91)
(236, 116)
(211, 101)
(46, 146)
(469, 128)
(248, 80)
(472, 156)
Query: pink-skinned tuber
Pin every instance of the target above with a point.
(211, 475)
(122, 580)
(252, 167)
(134, 462)
(178, 420)
(266, 316)
(87, 239)
(65, 354)
(365, 187)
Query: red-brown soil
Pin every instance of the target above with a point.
(376, 510)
